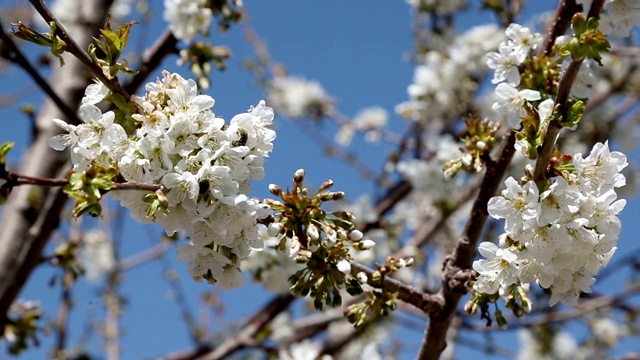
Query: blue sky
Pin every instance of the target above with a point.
(357, 50)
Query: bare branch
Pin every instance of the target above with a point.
(460, 261)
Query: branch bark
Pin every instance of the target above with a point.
(32, 213)
(439, 321)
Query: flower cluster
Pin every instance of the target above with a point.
(560, 237)
(187, 18)
(297, 97)
(201, 165)
(320, 240)
(370, 121)
(511, 54)
(619, 16)
(443, 81)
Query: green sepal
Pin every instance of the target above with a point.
(49, 40)
(111, 45)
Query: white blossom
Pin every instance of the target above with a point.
(187, 18)
(511, 102)
(204, 166)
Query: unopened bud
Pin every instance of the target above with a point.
(367, 244)
(344, 266)
(298, 176)
(355, 235)
(312, 232)
(275, 189)
(325, 185)
(362, 277)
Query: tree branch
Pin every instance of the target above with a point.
(77, 51)
(452, 290)
(32, 213)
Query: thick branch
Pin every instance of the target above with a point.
(32, 213)
(464, 253)
(151, 59)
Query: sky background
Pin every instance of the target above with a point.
(358, 51)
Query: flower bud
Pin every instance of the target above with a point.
(274, 229)
(275, 189)
(298, 176)
(362, 277)
(344, 266)
(355, 235)
(312, 232)
(367, 244)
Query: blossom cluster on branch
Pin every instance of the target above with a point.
(558, 237)
(201, 164)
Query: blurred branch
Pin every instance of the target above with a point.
(152, 58)
(77, 51)
(245, 337)
(62, 317)
(145, 256)
(18, 58)
(32, 213)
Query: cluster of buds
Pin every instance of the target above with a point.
(377, 303)
(479, 142)
(516, 300)
(319, 239)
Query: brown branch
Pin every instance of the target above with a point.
(426, 302)
(32, 213)
(77, 51)
(152, 58)
(562, 20)
(440, 319)
(246, 336)
(564, 89)
(17, 179)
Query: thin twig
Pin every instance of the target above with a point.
(78, 52)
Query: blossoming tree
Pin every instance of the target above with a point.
(517, 124)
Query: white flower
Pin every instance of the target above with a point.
(60, 142)
(505, 65)
(600, 171)
(500, 267)
(511, 102)
(187, 18)
(518, 205)
(624, 15)
(305, 350)
(181, 186)
(94, 93)
(231, 278)
(522, 40)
